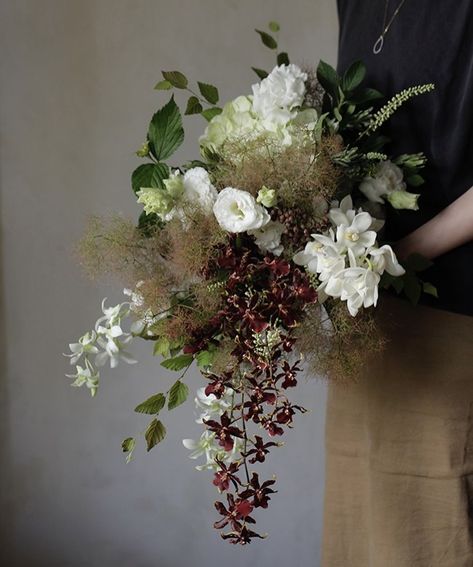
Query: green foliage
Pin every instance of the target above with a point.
(283, 58)
(267, 39)
(163, 85)
(193, 106)
(176, 79)
(154, 433)
(177, 394)
(209, 92)
(205, 358)
(329, 79)
(149, 175)
(148, 223)
(128, 446)
(353, 76)
(165, 132)
(153, 405)
(262, 74)
(410, 283)
(178, 362)
(430, 289)
(162, 346)
(209, 113)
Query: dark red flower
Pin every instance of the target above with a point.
(225, 475)
(224, 431)
(260, 450)
(259, 493)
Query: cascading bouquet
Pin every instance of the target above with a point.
(265, 253)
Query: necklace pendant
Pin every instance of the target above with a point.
(378, 46)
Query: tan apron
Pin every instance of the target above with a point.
(399, 448)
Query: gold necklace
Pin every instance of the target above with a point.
(378, 46)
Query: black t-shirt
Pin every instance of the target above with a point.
(428, 42)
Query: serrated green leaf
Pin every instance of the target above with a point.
(328, 78)
(209, 92)
(262, 74)
(162, 346)
(176, 78)
(154, 433)
(178, 362)
(430, 289)
(267, 39)
(149, 175)
(353, 76)
(283, 58)
(165, 132)
(209, 113)
(163, 85)
(415, 180)
(205, 358)
(177, 394)
(193, 106)
(152, 405)
(274, 26)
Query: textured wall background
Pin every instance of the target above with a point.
(77, 82)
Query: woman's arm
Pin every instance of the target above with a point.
(450, 228)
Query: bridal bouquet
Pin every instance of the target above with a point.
(263, 255)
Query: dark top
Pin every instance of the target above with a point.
(428, 42)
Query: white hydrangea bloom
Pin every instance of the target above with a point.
(237, 211)
(276, 98)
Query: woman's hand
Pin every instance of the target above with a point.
(450, 228)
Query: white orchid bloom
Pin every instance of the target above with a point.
(384, 259)
(211, 405)
(84, 347)
(87, 376)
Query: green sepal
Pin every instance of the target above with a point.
(262, 74)
(267, 39)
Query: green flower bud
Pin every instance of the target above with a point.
(143, 151)
(403, 200)
(266, 197)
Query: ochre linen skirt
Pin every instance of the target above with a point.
(399, 448)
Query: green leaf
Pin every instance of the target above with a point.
(128, 446)
(417, 263)
(177, 394)
(209, 92)
(149, 175)
(165, 132)
(162, 346)
(429, 288)
(152, 405)
(274, 27)
(415, 180)
(147, 223)
(353, 76)
(178, 362)
(328, 78)
(193, 106)
(176, 79)
(163, 85)
(262, 74)
(412, 288)
(205, 358)
(154, 433)
(267, 39)
(209, 113)
(283, 58)
(363, 96)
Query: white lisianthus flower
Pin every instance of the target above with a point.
(276, 97)
(268, 237)
(388, 184)
(237, 211)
